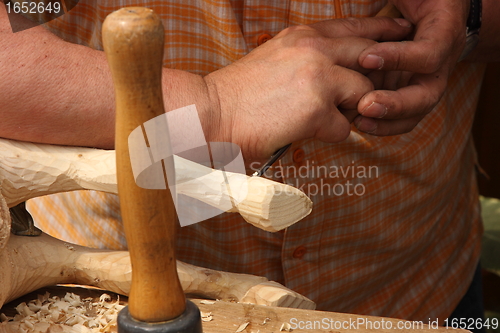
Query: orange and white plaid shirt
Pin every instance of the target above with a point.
(395, 228)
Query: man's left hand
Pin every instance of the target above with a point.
(422, 66)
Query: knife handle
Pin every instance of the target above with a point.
(389, 10)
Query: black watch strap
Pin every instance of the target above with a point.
(474, 19)
(473, 27)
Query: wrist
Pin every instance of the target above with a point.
(224, 100)
(212, 115)
(181, 88)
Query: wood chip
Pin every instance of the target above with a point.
(242, 327)
(207, 302)
(84, 316)
(3, 318)
(285, 327)
(206, 316)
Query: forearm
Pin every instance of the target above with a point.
(488, 49)
(62, 93)
(53, 91)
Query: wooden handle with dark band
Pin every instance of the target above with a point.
(133, 41)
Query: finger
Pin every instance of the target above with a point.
(335, 126)
(374, 28)
(404, 79)
(382, 127)
(345, 51)
(418, 98)
(377, 78)
(350, 114)
(435, 40)
(392, 80)
(332, 127)
(354, 86)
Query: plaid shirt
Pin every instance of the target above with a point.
(395, 229)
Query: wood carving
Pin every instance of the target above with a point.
(29, 263)
(4, 223)
(29, 170)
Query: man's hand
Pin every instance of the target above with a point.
(426, 62)
(290, 88)
(293, 86)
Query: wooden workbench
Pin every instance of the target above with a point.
(231, 317)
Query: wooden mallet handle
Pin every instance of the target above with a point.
(133, 41)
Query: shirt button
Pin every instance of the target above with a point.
(263, 38)
(298, 155)
(299, 252)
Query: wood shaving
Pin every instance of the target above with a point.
(206, 316)
(83, 316)
(285, 327)
(265, 321)
(207, 302)
(3, 317)
(242, 327)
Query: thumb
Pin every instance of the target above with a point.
(374, 28)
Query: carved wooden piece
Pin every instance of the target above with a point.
(29, 170)
(4, 223)
(29, 263)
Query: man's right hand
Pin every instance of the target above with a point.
(288, 89)
(295, 86)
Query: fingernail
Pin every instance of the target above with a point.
(373, 62)
(366, 125)
(375, 110)
(402, 22)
